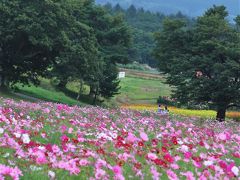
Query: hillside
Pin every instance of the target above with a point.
(143, 25)
(189, 7)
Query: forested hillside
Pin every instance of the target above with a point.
(143, 26)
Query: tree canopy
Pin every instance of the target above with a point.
(68, 40)
(203, 62)
(32, 34)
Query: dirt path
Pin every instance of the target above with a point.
(28, 98)
(140, 74)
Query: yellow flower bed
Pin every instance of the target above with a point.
(184, 112)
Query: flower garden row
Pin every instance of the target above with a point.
(210, 114)
(55, 141)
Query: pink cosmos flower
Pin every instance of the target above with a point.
(131, 138)
(55, 148)
(63, 128)
(168, 158)
(83, 162)
(222, 136)
(155, 173)
(43, 135)
(100, 163)
(188, 155)
(64, 138)
(100, 174)
(46, 110)
(152, 156)
(175, 166)
(171, 175)
(41, 158)
(197, 164)
(117, 170)
(9, 171)
(236, 154)
(189, 175)
(144, 136)
(70, 130)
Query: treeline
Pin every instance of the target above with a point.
(67, 40)
(143, 26)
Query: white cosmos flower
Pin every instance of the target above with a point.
(18, 135)
(25, 138)
(184, 148)
(41, 147)
(114, 135)
(180, 142)
(1, 130)
(51, 174)
(159, 136)
(208, 163)
(235, 170)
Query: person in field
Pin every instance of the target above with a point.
(164, 111)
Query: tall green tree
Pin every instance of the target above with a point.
(109, 83)
(76, 62)
(237, 20)
(99, 40)
(114, 39)
(202, 63)
(32, 34)
(132, 11)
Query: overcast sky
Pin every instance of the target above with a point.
(190, 7)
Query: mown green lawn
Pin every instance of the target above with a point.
(138, 90)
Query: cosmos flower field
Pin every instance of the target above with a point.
(55, 141)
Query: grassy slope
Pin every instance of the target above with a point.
(137, 87)
(135, 90)
(48, 95)
(47, 92)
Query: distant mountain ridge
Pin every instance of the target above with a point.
(189, 7)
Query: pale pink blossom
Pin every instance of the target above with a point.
(144, 136)
(152, 156)
(171, 175)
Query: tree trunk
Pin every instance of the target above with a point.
(221, 113)
(95, 99)
(62, 84)
(91, 93)
(81, 86)
(80, 90)
(95, 96)
(3, 82)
